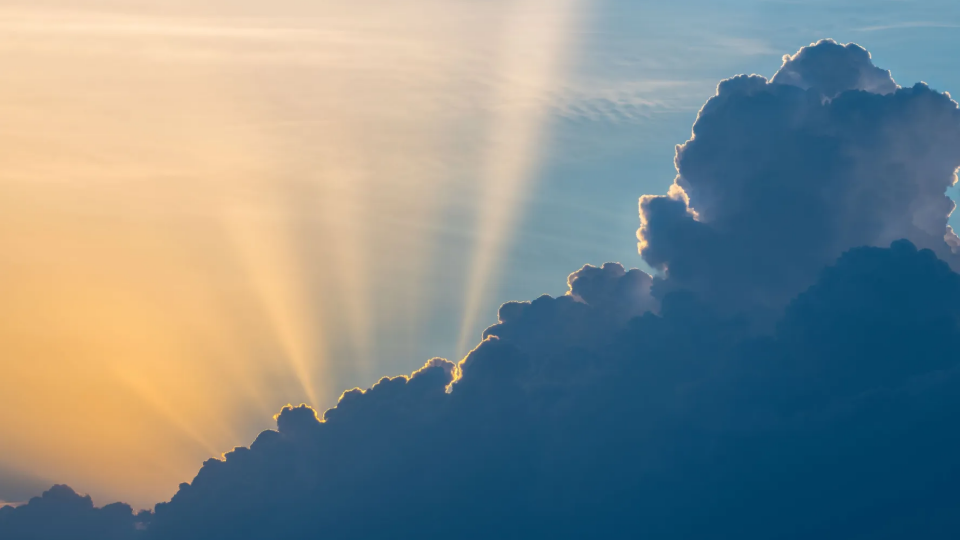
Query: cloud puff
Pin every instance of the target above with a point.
(830, 69)
(599, 302)
(608, 414)
(782, 176)
(612, 288)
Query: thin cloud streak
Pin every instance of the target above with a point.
(907, 25)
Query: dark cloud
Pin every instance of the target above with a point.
(781, 177)
(612, 287)
(608, 414)
(679, 426)
(61, 513)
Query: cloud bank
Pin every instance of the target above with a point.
(652, 407)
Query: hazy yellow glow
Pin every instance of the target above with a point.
(211, 209)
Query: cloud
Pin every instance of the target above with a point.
(610, 412)
(61, 513)
(682, 426)
(829, 69)
(908, 25)
(782, 176)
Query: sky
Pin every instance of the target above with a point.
(211, 209)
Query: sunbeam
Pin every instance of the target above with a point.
(536, 39)
(266, 260)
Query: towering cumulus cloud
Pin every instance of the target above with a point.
(636, 407)
(782, 176)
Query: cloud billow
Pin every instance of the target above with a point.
(783, 176)
(642, 408)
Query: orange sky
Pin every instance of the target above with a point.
(207, 212)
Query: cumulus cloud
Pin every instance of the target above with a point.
(614, 412)
(782, 176)
(611, 287)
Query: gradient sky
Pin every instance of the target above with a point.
(209, 209)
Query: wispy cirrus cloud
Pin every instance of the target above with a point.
(625, 102)
(907, 25)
